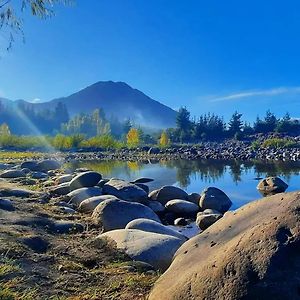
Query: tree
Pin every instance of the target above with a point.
(11, 21)
(235, 124)
(133, 138)
(4, 130)
(164, 140)
(184, 124)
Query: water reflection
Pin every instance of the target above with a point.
(236, 178)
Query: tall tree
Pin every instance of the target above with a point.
(235, 124)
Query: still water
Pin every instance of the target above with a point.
(237, 179)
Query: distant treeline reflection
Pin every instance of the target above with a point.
(207, 171)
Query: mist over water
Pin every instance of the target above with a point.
(237, 179)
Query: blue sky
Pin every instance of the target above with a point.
(208, 55)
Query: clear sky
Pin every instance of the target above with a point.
(212, 55)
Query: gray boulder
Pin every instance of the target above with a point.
(156, 206)
(124, 190)
(88, 205)
(203, 221)
(272, 185)
(116, 214)
(31, 165)
(182, 207)
(47, 165)
(77, 196)
(6, 204)
(62, 189)
(39, 175)
(12, 174)
(215, 199)
(85, 179)
(64, 178)
(194, 198)
(152, 248)
(167, 193)
(153, 226)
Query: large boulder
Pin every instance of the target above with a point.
(153, 226)
(251, 253)
(13, 174)
(61, 189)
(215, 199)
(32, 165)
(88, 205)
(272, 185)
(203, 221)
(77, 196)
(152, 248)
(116, 214)
(47, 165)
(64, 178)
(124, 190)
(182, 207)
(85, 179)
(167, 193)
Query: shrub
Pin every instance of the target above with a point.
(280, 143)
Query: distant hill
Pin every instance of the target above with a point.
(118, 100)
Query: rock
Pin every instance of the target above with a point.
(180, 222)
(116, 214)
(153, 150)
(16, 192)
(85, 179)
(167, 193)
(12, 174)
(88, 205)
(47, 165)
(124, 190)
(152, 248)
(272, 185)
(169, 218)
(182, 207)
(31, 165)
(67, 227)
(6, 204)
(62, 189)
(153, 226)
(215, 199)
(194, 198)
(77, 196)
(143, 187)
(203, 221)
(39, 175)
(36, 243)
(156, 206)
(251, 253)
(142, 180)
(64, 178)
(25, 170)
(67, 210)
(102, 182)
(209, 211)
(4, 166)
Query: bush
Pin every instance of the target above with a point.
(280, 143)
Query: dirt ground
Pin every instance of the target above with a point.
(36, 263)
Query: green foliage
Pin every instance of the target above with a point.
(255, 145)
(4, 129)
(235, 124)
(105, 141)
(280, 143)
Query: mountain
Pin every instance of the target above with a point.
(118, 100)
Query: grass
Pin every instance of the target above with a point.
(275, 143)
(6, 156)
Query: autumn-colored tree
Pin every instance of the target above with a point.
(4, 129)
(133, 138)
(164, 140)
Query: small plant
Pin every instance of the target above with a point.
(279, 143)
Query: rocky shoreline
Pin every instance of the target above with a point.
(147, 227)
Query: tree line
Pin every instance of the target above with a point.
(212, 127)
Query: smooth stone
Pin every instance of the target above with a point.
(62, 189)
(124, 190)
(16, 192)
(143, 186)
(39, 175)
(12, 174)
(6, 204)
(167, 193)
(216, 199)
(272, 185)
(31, 165)
(153, 248)
(153, 226)
(156, 206)
(88, 205)
(67, 210)
(102, 182)
(203, 221)
(85, 179)
(116, 214)
(182, 207)
(194, 198)
(251, 253)
(180, 222)
(79, 195)
(47, 165)
(64, 178)
(142, 180)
